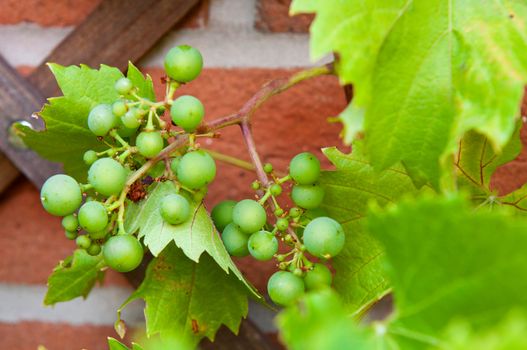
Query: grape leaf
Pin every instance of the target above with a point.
(74, 277)
(319, 321)
(433, 71)
(476, 161)
(448, 262)
(182, 294)
(66, 116)
(195, 236)
(114, 344)
(348, 190)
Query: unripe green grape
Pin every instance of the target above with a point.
(123, 86)
(307, 196)
(131, 119)
(196, 169)
(282, 224)
(123, 253)
(119, 108)
(268, 168)
(175, 209)
(319, 276)
(298, 272)
(183, 63)
(83, 242)
(255, 185)
(221, 214)
(249, 215)
(149, 143)
(93, 216)
(157, 170)
(98, 235)
(61, 195)
(101, 120)
(309, 215)
(107, 176)
(70, 223)
(305, 168)
(324, 237)
(187, 112)
(295, 212)
(174, 163)
(235, 240)
(279, 212)
(262, 245)
(90, 157)
(71, 234)
(276, 189)
(284, 288)
(94, 249)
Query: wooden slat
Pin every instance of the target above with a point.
(8, 172)
(116, 32)
(18, 100)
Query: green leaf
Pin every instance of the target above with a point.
(66, 116)
(319, 321)
(195, 236)
(74, 277)
(359, 275)
(183, 295)
(145, 86)
(447, 262)
(432, 72)
(114, 344)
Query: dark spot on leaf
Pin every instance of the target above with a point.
(195, 326)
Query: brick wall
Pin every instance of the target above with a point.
(245, 43)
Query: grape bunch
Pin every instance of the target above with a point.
(137, 136)
(305, 230)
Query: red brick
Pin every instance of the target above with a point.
(273, 16)
(72, 12)
(54, 336)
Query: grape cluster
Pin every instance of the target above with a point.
(304, 229)
(135, 132)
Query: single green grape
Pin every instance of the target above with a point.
(307, 196)
(284, 288)
(123, 253)
(93, 216)
(98, 235)
(119, 108)
(123, 86)
(309, 215)
(90, 157)
(149, 143)
(255, 185)
(83, 242)
(276, 189)
(324, 237)
(249, 215)
(221, 214)
(71, 234)
(175, 209)
(262, 245)
(282, 224)
(304, 168)
(295, 212)
(183, 63)
(187, 112)
(101, 120)
(70, 222)
(61, 195)
(268, 168)
(174, 163)
(235, 240)
(94, 249)
(196, 169)
(131, 119)
(279, 212)
(319, 276)
(107, 176)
